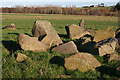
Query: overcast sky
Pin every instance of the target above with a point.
(63, 3)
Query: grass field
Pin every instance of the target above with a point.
(50, 64)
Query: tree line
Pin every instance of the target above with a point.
(71, 10)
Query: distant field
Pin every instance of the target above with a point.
(51, 16)
(32, 68)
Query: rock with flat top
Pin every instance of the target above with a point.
(104, 34)
(81, 61)
(67, 48)
(30, 43)
(45, 33)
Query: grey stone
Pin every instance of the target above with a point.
(45, 33)
(11, 26)
(104, 34)
(114, 57)
(81, 61)
(67, 48)
(106, 46)
(75, 31)
(21, 57)
(29, 43)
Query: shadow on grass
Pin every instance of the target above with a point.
(57, 60)
(87, 47)
(14, 33)
(63, 35)
(10, 45)
(28, 34)
(105, 70)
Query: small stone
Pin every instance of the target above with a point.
(21, 57)
(67, 48)
(86, 39)
(81, 61)
(11, 26)
(82, 24)
(114, 57)
(118, 68)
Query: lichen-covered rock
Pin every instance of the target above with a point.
(67, 48)
(21, 57)
(114, 57)
(29, 43)
(45, 33)
(106, 46)
(104, 34)
(75, 31)
(11, 26)
(81, 61)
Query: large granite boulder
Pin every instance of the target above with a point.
(81, 61)
(11, 26)
(29, 43)
(67, 48)
(106, 46)
(21, 57)
(45, 33)
(104, 34)
(75, 32)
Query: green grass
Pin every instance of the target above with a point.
(48, 64)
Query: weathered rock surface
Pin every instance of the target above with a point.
(114, 57)
(81, 61)
(82, 24)
(29, 43)
(21, 57)
(86, 39)
(106, 46)
(11, 26)
(67, 48)
(45, 32)
(104, 34)
(75, 31)
(92, 32)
